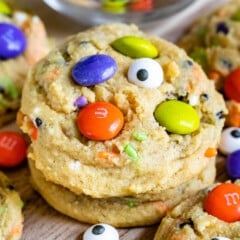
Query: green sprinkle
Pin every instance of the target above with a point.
(131, 152)
(200, 56)
(1, 209)
(131, 203)
(140, 136)
(202, 31)
(21, 203)
(214, 41)
(236, 17)
(8, 85)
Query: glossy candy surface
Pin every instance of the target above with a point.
(13, 149)
(94, 69)
(177, 117)
(135, 47)
(4, 8)
(233, 164)
(223, 202)
(230, 140)
(145, 72)
(12, 41)
(101, 231)
(232, 85)
(100, 121)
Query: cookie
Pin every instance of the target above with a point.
(11, 217)
(115, 112)
(120, 212)
(211, 214)
(213, 41)
(23, 42)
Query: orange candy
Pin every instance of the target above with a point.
(13, 149)
(232, 85)
(100, 121)
(223, 202)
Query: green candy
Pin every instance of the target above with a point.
(115, 7)
(9, 87)
(135, 47)
(177, 117)
(4, 8)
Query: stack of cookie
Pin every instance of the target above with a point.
(123, 126)
(23, 41)
(213, 41)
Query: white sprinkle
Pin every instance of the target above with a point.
(35, 19)
(76, 165)
(193, 100)
(20, 17)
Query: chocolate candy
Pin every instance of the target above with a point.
(94, 69)
(145, 72)
(177, 117)
(135, 47)
(12, 41)
(101, 231)
(233, 164)
(230, 140)
(100, 121)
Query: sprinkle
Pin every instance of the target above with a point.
(204, 97)
(219, 114)
(80, 102)
(222, 28)
(193, 100)
(38, 122)
(189, 222)
(139, 136)
(131, 203)
(210, 152)
(131, 152)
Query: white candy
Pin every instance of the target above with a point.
(101, 231)
(145, 72)
(230, 140)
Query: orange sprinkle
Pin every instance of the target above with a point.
(109, 159)
(214, 75)
(15, 231)
(53, 74)
(34, 133)
(210, 152)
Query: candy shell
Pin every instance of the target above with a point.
(101, 231)
(177, 117)
(12, 41)
(13, 149)
(4, 8)
(223, 202)
(145, 72)
(232, 85)
(233, 164)
(100, 121)
(230, 140)
(135, 47)
(94, 69)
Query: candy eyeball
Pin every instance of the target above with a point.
(101, 231)
(230, 140)
(145, 72)
(220, 238)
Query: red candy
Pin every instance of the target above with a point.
(223, 202)
(13, 149)
(100, 121)
(232, 85)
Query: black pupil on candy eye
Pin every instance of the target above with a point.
(98, 229)
(235, 133)
(142, 74)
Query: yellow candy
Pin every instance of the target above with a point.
(135, 47)
(4, 8)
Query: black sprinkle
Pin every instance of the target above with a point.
(98, 229)
(2, 90)
(214, 238)
(220, 114)
(142, 74)
(235, 133)
(84, 42)
(227, 63)
(189, 222)
(187, 64)
(222, 28)
(11, 187)
(38, 122)
(204, 96)
(67, 57)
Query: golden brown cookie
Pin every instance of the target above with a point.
(23, 42)
(111, 135)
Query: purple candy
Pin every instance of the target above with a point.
(233, 164)
(12, 41)
(94, 69)
(81, 102)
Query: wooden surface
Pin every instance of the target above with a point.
(41, 221)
